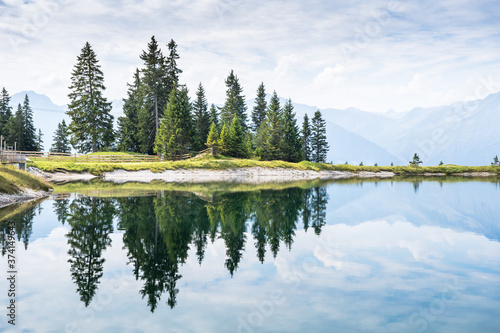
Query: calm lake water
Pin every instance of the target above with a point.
(402, 256)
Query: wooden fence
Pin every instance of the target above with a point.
(9, 156)
(64, 157)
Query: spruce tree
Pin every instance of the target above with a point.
(156, 94)
(214, 116)
(259, 109)
(5, 110)
(272, 131)
(306, 139)
(213, 140)
(236, 139)
(175, 134)
(39, 140)
(128, 125)
(28, 141)
(91, 126)
(319, 145)
(171, 68)
(201, 119)
(60, 139)
(224, 140)
(292, 148)
(235, 105)
(14, 129)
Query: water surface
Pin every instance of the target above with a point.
(364, 256)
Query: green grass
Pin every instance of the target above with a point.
(224, 163)
(13, 181)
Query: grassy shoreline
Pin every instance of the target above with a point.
(210, 163)
(13, 181)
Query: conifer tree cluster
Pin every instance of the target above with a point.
(147, 98)
(18, 128)
(159, 117)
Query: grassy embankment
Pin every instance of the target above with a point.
(13, 181)
(224, 163)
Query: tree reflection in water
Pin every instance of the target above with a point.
(159, 232)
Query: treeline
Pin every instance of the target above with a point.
(160, 118)
(18, 128)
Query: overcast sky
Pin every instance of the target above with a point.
(373, 55)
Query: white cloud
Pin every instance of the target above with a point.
(293, 47)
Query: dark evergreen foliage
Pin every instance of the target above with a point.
(214, 117)
(5, 111)
(292, 147)
(259, 109)
(175, 134)
(128, 125)
(319, 145)
(39, 141)
(271, 131)
(236, 139)
(29, 131)
(235, 105)
(60, 139)
(201, 119)
(91, 126)
(306, 139)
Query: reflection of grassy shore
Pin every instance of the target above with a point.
(221, 163)
(12, 210)
(109, 189)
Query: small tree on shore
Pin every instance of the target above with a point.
(213, 140)
(416, 160)
(496, 161)
(60, 139)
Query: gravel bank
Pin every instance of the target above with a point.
(243, 175)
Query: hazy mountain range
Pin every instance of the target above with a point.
(462, 133)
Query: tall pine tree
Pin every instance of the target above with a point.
(235, 105)
(201, 119)
(259, 109)
(306, 139)
(29, 137)
(319, 145)
(60, 139)
(272, 131)
(292, 148)
(156, 94)
(91, 126)
(171, 67)
(5, 110)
